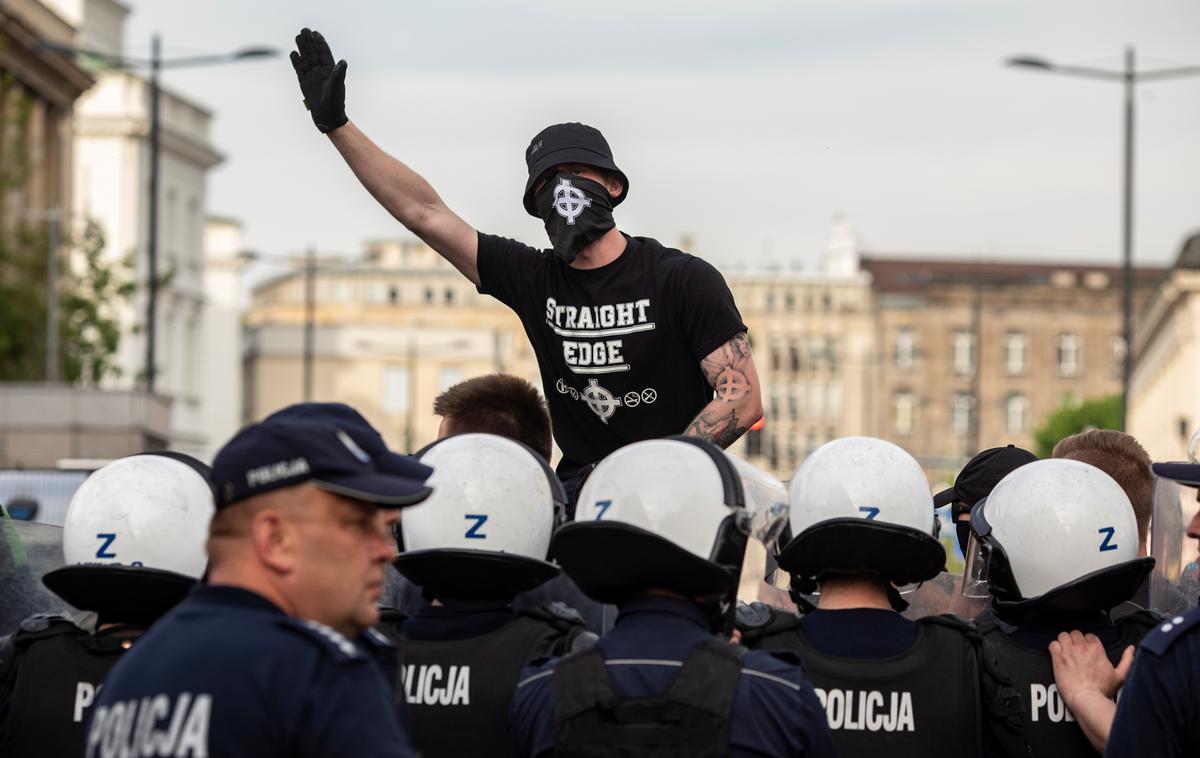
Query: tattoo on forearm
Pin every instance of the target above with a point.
(721, 430)
(727, 371)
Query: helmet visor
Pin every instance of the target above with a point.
(978, 555)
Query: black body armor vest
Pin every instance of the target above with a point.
(692, 719)
(1046, 728)
(459, 691)
(893, 706)
(50, 675)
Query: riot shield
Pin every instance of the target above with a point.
(1175, 583)
(28, 551)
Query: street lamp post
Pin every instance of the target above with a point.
(155, 64)
(1129, 76)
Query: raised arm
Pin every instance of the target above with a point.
(399, 189)
(1088, 682)
(738, 402)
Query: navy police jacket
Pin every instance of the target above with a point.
(227, 674)
(775, 710)
(1158, 712)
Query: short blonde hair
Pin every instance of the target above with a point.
(1123, 458)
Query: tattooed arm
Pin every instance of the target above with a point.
(738, 402)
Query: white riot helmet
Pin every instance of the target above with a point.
(666, 513)
(862, 505)
(1057, 535)
(133, 537)
(485, 531)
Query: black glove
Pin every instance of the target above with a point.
(323, 83)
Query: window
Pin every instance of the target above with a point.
(794, 356)
(773, 451)
(376, 292)
(776, 355)
(395, 389)
(1069, 349)
(448, 296)
(906, 348)
(770, 300)
(794, 403)
(1016, 346)
(1117, 346)
(816, 348)
(754, 443)
(793, 454)
(903, 407)
(962, 347)
(961, 413)
(810, 440)
(429, 296)
(773, 405)
(393, 295)
(831, 351)
(448, 377)
(1016, 407)
(789, 301)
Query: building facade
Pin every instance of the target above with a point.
(812, 335)
(1164, 407)
(388, 333)
(972, 355)
(38, 89)
(112, 176)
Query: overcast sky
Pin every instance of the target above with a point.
(746, 125)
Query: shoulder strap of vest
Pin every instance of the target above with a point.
(758, 620)
(588, 687)
(954, 624)
(1136, 616)
(709, 677)
(559, 615)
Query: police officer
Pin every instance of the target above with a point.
(259, 662)
(660, 531)
(133, 546)
(1056, 545)
(371, 442)
(480, 539)
(864, 527)
(1159, 710)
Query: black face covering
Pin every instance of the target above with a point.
(963, 528)
(576, 212)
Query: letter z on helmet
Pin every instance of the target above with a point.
(133, 537)
(485, 530)
(861, 505)
(1055, 535)
(666, 513)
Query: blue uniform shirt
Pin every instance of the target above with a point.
(775, 711)
(228, 674)
(1158, 713)
(859, 633)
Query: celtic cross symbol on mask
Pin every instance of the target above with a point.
(569, 201)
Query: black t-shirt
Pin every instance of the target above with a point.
(619, 347)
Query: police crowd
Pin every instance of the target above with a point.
(314, 593)
(246, 609)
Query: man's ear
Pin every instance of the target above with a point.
(614, 185)
(276, 541)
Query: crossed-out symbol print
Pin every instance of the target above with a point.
(569, 201)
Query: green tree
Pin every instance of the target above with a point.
(1071, 418)
(91, 287)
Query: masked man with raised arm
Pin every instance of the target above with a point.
(634, 340)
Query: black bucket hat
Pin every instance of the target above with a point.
(568, 143)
